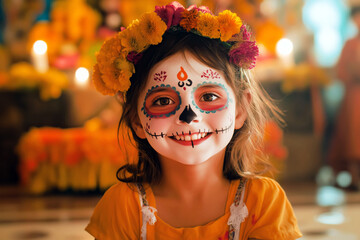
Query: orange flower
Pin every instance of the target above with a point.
(107, 60)
(189, 20)
(99, 83)
(208, 25)
(230, 24)
(131, 38)
(152, 28)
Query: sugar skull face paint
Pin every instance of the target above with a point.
(192, 124)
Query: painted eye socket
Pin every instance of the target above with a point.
(162, 102)
(211, 97)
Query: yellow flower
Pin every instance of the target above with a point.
(152, 28)
(132, 39)
(99, 83)
(123, 64)
(230, 24)
(208, 25)
(124, 80)
(110, 51)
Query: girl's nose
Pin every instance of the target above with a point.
(188, 115)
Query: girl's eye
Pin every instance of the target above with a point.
(163, 101)
(209, 97)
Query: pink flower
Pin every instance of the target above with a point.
(170, 14)
(244, 55)
(245, 34)
(203, 9)
(134, 57)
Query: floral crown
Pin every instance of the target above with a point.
(117, 56)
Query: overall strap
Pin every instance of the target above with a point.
(147, 212)
(238, 211)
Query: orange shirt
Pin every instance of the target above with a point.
(118, 215)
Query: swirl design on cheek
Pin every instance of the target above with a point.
(164, 115)
(215, 108)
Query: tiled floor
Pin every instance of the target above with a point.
(323, 214)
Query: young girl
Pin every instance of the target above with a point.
(197, 119)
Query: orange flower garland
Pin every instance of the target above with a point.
(117, 56)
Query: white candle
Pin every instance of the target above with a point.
(39, 56)
(81, 77)
(285, 51)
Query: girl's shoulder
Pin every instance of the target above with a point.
(121, 193)
(270, 212)
(120, 198)
(264, 187)
(117, 214)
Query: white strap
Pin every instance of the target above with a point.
(148, 215)
(238, 213)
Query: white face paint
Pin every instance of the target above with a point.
(187, 110)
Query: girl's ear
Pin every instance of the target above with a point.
(138, 128)
(241, 113)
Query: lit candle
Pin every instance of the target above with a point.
(39, 56)
(285, 51)
(81, 77)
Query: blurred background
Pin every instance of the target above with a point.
(58, 146)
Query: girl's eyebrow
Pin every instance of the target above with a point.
(210, 86)
(160, 89)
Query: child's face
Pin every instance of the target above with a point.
(187, 111)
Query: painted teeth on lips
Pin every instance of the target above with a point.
(192, 137)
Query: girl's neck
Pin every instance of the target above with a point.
(188, 181)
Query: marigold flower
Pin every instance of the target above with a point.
(124, 80)
(152, 28)
(230, 24)
(208, 25)
(99, 83)
(189, 20)
(124, 65)
(132, 39)
(109, 52)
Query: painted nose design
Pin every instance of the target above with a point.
(187, 115)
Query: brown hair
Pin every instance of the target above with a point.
(240, 157)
